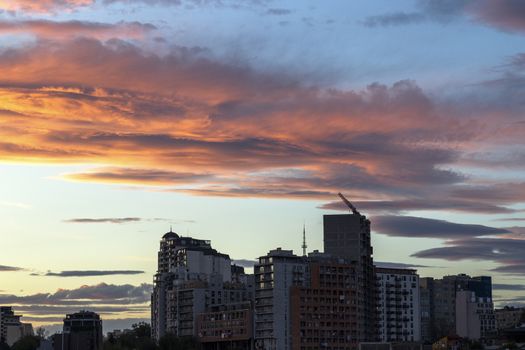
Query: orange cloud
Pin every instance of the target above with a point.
(71, 29)
(190, 123)
(43, 6)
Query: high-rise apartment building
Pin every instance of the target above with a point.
(275, 274)
(399, 305)
(439, 301)
(193, 284)
(347, 236)
(81, 331)
(326, 312)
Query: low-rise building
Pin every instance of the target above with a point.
(508, 317)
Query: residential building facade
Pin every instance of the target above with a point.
(475, 317)
(399, 305)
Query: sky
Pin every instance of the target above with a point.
(239, 121)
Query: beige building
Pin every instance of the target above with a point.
(11, 329)
(475, 318)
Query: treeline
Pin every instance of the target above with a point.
(30, 342)
(139, 338)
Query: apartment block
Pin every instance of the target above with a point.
(275, 274)
(509, 317)
(81, 331)
(475, 317)
(193, 282)
(399, 305)
(327, 312)
(11, 328)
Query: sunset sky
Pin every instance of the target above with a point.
(238, 121)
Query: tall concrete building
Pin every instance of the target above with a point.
(193, 284)
(81, 331)
(475, 317)
(275, 274)
(326, 312)
(347, 236)
(439, 300)
(399, 305)
(426, 295)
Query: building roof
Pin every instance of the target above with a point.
(170, 235)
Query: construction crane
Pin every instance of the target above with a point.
(347, 202)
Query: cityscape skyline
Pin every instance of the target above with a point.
(239, 121)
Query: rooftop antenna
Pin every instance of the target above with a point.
(350, 205)
(304, 240)
(171, 230)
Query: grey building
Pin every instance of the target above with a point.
(347, 236)
(439, 302)
(81, 331)
(194, 280)
(399, 305)
(275, 273)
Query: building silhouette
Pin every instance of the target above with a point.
(81, 331)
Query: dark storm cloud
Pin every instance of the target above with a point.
(410, 226)
(90, 273)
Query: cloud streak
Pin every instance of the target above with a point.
(91, 273)
(506, 15)
(71, 29)
(103, 220)
(5, 268)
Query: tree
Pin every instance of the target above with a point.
(4, 346)
(41, 333)
(29, 342)
(138, 338)
(172, 342)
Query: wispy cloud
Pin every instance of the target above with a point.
(15, 205)
(71, 29)
(103, 220)
(5, 268)
(89, 273)
(508, 253)
(507, 15)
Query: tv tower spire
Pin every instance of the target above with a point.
(304, 240)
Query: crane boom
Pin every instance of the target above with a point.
(347, 202)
